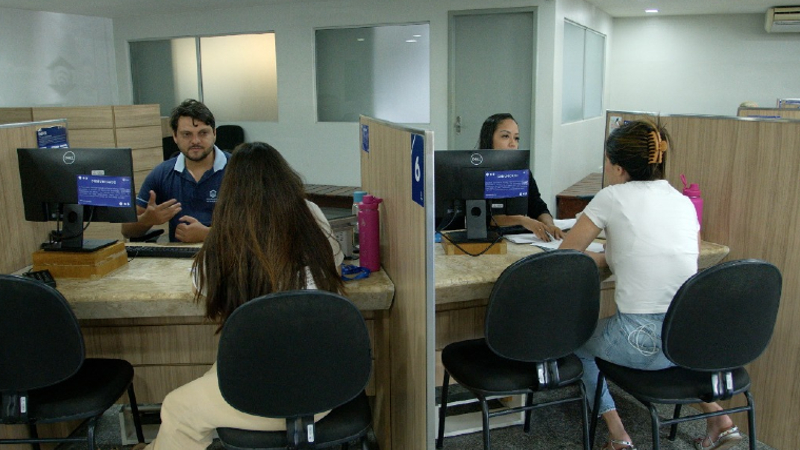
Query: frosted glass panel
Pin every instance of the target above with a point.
(185, 75)
(238, 72)
(593, 82)
(240, 78)
(164, 72)
(383, 72)
(584, 60)
(572, 106)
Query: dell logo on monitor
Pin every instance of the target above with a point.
(476, 159)
(68, 158)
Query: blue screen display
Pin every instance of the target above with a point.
(506, 184)
(95, 190)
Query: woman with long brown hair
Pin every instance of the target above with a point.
(266, 237)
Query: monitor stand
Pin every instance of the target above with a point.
(88, 245)
(460, 237)
(73, 229)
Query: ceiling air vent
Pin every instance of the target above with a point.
(785, 19)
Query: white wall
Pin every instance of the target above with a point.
(327, 153)
(700, 64)
(52, 59)
(671, 64)
(577, 148)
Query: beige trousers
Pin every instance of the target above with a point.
(191, 413)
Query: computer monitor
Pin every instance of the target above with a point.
(73, 186)
(473, 185)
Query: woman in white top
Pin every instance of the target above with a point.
(266, 237)
(652, 246)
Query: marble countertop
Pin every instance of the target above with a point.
(162, 287)
(462, 278)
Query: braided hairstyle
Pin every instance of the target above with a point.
(639, 147)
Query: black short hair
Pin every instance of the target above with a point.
(194, 109)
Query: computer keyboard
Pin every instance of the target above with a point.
(511, 229)
(161, 251)
(42, 276)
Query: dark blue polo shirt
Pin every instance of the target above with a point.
(170, 179)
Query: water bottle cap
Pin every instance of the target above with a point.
(358, 196)
(370, 202)
(693, 190)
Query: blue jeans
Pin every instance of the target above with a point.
(631, 340)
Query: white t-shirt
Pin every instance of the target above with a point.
(338, 255)
(651, 231)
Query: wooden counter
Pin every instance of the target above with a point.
(573, 199)
(462, 278)
(464, 283)
(162, 287)
(145, 313)
(331, 196)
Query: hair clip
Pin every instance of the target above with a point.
(657, 147)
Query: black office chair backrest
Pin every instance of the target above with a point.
(40, 339)
(544, 306)
(723, 317)
(294, 353)
(169, 147)
(229, 136)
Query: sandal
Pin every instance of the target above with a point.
(625, 445)
(726, 439)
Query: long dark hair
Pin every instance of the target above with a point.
(635, 146)
(263, 237)
(485, 141)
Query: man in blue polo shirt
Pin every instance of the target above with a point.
(183, 190)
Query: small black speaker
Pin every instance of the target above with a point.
(476, 219)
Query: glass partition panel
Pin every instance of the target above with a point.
(584, 65)
(572, 89)
(236, 75)
(381, 71)
(164, 72)
(240, 77)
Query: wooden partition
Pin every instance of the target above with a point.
(134, 126)
(779, 113)
(15, 115)
(407, 257)
(749, 174)
(19, 238)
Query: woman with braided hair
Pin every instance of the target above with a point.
(652, 245)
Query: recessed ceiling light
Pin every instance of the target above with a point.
(651, 11)
(411, 41)
(360, 39)
(417, 35)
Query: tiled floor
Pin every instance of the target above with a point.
(552, 428)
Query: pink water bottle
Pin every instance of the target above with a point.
(369, 229)
(693, 192)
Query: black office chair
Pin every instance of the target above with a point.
(169, 148)
(292, 355)
(229, 136)
(719, 320)
(44, 376)
(541, 309)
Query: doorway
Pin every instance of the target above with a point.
(491, 71)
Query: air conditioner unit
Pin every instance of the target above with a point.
(784, 19)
